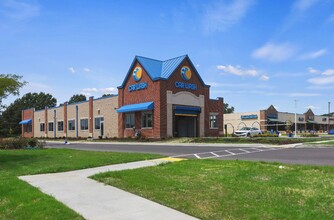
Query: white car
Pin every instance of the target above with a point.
(247, 132)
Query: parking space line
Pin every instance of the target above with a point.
(230, 152)
(244, 150)
(198, 157)
(214, 154)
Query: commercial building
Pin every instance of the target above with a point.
(272, 120)
(89, 119)
(158, 98)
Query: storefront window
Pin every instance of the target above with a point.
(129, 120)
(84, 124)
(71, 125)
(42, 127)
(98, 121)
(146, 120)
(213, 121)
(27, 128)
(50, 126)
(60, 125)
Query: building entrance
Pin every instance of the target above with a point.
(185, 126)
(186, 121)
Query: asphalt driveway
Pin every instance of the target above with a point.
(256, 152)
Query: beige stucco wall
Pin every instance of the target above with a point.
(38, 118)
(106, 108)
(236, 121)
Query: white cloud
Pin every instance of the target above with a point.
(331, 18)
(100, 90)
(71, 69)
(90, 90)
(87, 70)
(108, 90)
(312, 107)
(312, 70)
(274, 52)
(264, 78)
(86, 94)
(237, 70)
(303, 94)
(197, 65)
(321, 80)
(327, 77)
(221, 16)
(328, 72)
(20, 10)
(313, 55)
(303, 5)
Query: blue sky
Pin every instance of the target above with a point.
(254, 53)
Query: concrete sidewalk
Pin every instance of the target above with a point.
(94, 200)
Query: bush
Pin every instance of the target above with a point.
(266, 135)
(309, 135)
(20, 143)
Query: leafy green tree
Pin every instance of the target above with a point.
(77, 98)
(228, 110)
(11, 117)
(10, 85)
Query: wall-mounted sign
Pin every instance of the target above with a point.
(182, 85)
(185, 73)
(138, 86)
(249, 116)
(137, 73)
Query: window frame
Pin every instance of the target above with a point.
(144, 124)
(97, 126)
(50, 128)
(130, 116)
(42, 125)
(62, 125)
(69, 123)
(86, 123)
(214, 118)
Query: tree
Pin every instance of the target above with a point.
(228, 110)
(12, 114)
(10, 85)
(77, 98)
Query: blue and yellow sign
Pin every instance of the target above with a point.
(186, 73)
(137, 73)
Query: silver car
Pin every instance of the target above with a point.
(247, 132)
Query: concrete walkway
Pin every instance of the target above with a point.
(94, 200)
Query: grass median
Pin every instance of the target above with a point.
(19, 200)
(212, 189)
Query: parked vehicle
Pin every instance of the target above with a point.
(247, 132)
(331, 131)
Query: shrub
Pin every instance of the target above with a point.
(309, 135)
(20, 143)
(266, 135)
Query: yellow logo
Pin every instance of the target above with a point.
(186, 73)
(137, 73)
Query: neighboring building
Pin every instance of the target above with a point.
(93, 118)
(159, 98)
(272, 120)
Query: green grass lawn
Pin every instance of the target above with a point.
(19, 200)
(213, 189)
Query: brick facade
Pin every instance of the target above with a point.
(156, 91)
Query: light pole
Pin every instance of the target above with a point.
(329, 112)
(295, 118)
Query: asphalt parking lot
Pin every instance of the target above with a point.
(299, 154)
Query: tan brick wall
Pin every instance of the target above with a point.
(71, 116)
(59, 117)
(39, 118)
(106, 108)
(83, 113)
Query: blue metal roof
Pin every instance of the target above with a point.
(25, 122)
(159, 70)
(136, 107)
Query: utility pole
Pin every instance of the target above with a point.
(295, 118)
(329, 111)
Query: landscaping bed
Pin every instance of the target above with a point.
(213, 189)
